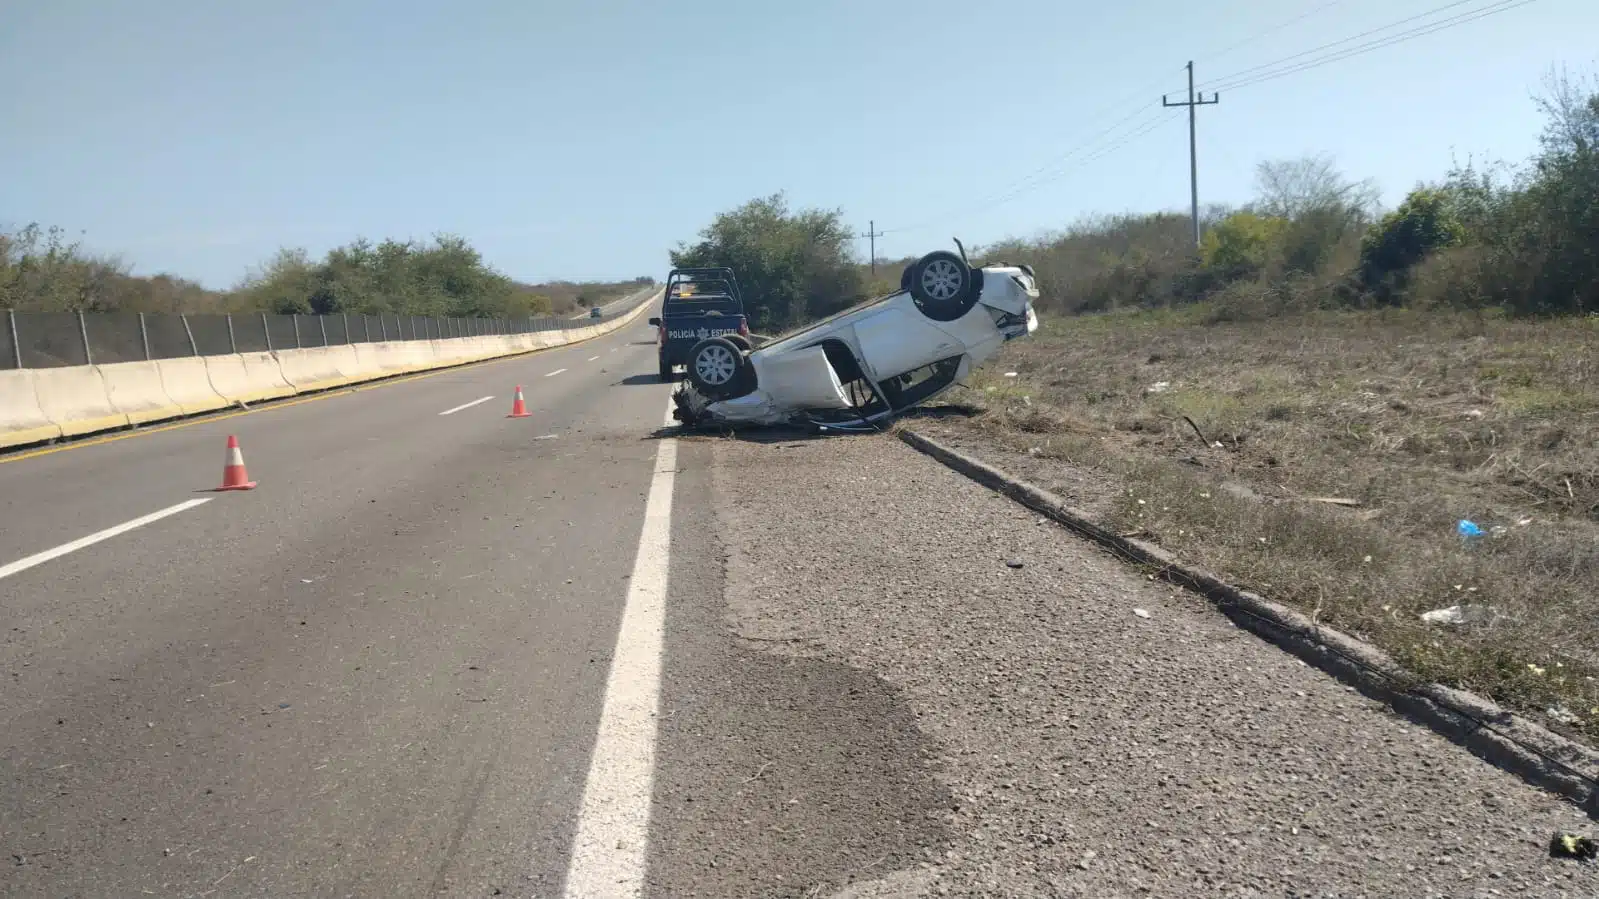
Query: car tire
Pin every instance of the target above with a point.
(718, 369)
(943, 286)
(666, 371)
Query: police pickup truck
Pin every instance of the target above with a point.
(699, 303)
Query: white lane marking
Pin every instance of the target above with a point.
(554, 373)
(466, 405)
(40, 558)
(609, 851)
(592, 358)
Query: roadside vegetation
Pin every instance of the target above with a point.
(1311, 402)
(1314, 403)
(41, 270)
(792, 267)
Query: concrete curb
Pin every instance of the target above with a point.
(1503, 738)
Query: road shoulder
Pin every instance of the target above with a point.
(1089, 750)
(780, 772)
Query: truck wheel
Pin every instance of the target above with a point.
(719, 369)
(666, 371)
(943, 286)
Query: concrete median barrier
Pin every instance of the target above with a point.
(22, 421)
(49, 403)
(135, 389)
(266, 377)
(75, 399)
(188, 384)
(247, 378)
(310, 369)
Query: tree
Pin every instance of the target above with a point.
(1321, 208)
(1423, 223)
(792, 267)
(1242, 244)
(1291, 188)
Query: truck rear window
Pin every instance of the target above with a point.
(698, 305)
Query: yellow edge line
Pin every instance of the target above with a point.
(284, 404)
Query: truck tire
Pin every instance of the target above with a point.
(666, 371)
(719, 370)
(943, 286)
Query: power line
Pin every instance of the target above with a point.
(1360, 49)
(1052, 171)
(1211, 57)
(1421, 15)
(1160, 118)
(1005, 193)
(1062, 164)
(1042, 175)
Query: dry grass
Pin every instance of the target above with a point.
(1422, 419)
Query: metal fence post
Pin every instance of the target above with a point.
(294, 319)
(193, 347)
(266, 332)
(16, 342)
(83, 329)
(233, 344)
(383, 326)
(323, 321)
(144, 337)
(366, 327)
(347, 338)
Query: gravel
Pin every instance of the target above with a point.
(1088, 750)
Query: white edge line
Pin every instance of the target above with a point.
(554, 373)
(610, 849)
(56, 553)
(466, 405)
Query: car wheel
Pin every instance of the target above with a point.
(943, 286)
(666, 370)
(718, 368)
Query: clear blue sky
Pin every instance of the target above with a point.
(584, 139)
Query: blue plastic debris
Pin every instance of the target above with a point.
(1468, 529)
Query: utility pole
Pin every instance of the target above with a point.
(873, 234)
(1193, 104)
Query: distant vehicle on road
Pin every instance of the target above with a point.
(596, 313)
(870, 362)
(699, 303)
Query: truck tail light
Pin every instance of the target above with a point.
(744, 327)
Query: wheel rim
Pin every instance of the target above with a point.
(942, 279)
(715, 365)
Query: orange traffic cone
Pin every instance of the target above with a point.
(519, 408)
(233, 474)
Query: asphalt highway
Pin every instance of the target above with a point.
(379, 673)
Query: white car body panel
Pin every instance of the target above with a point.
(889, 337)
(802, 377)
(899, 338)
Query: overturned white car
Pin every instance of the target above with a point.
(867, 363)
